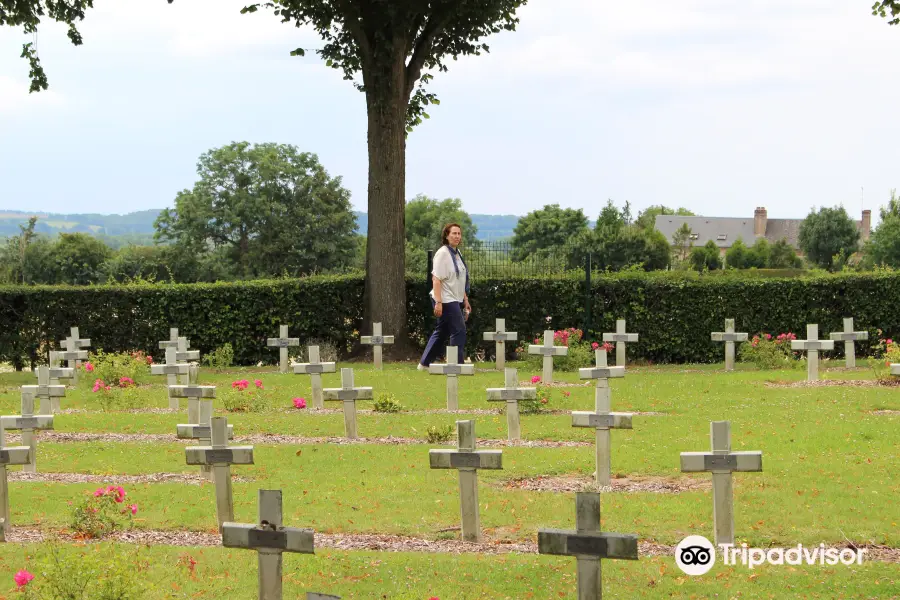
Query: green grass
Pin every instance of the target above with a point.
(831, 473)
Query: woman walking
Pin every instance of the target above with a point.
(449, 297)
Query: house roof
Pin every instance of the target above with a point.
(788, 229)
(723, 231)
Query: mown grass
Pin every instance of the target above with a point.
(830, 475)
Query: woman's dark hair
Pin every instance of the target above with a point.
(445, 233)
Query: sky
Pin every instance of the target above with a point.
(718, 106)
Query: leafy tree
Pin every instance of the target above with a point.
(887, 9)
(268, 209)
(647, 217)
(884, 245)
(681, 242)
(612, 220)
(737, 256)
(426, 217)
(393, 47)
(78, 258)
(544, 229)
(27, 14)
(758, 255)
(828, 234)
(783, 256)
(706, 257)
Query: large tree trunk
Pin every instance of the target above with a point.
(385, 291)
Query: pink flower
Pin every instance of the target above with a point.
(98, 492)
(299, 403)
(567, 393)
(595, 345)
(125, 381)
(258, 383)
(536, 379)
(22, 578)
(240, 384)
(88, 367)
(607, 346)
(890, 341)
(537, 340)
(133, 509)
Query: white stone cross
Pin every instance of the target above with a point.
(722, 462)
(348, 395)
(282, 342)
(500, 336)
(74, 343)
(28, 423)
(729, 337)
(44, 391)
(220, 457)
(376, 340)
(172, 342)
(9, 455)
(54, 375)
(548, 351)
(588, 544)
(511, 394)
(199, 426)
(467, 460)
(182, 355)
(602, 419)
(620, 338)
(58, 372)
(314, 369)
(849, 337)
(72, 357)
(269, 538)
(171, 369)
(452, 370)
(812, 344)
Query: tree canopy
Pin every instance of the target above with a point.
(426, 217)
(887, 9)
(827, 235)
(547, 228)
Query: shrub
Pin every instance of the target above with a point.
(542, 398)
(118, 398)
(102, 512)
(886, 352)
(387, 403)
(117, 368)
(767, 352)
(328, 352)
(580, 353)
(220, 358)
(439, 435)
(246, 397)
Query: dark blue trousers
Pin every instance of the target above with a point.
(451, 325)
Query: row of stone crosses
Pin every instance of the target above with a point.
(270, 538)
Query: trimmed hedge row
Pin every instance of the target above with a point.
(674, 313)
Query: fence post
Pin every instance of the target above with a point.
(587, 295)
(428, 270)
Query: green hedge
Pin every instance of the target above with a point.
(673, 312)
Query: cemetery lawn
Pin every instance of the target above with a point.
(831, 474)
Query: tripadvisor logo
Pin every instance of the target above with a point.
(695, 555)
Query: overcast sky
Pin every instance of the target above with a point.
(716, 105)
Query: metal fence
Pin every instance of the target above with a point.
(493, 259)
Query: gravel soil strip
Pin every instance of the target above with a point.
(187, 478)
(580, 483)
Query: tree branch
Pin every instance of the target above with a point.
(353, 21)
(433, 28)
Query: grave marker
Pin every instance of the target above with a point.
(44, 391)
(172, 342)
(620, 338)
(9, 455)
(220, 457)
(348, 395)
(54, 374)
(849, 337)
(588, 544)
(28, 423)
(452, 369)
(812, 344)
(314, 369)
(602, 419)
(722, 462)
(282, 342)
(376, 340)
(511, 394)
(182, 355)
(74, 343)
(467, 460)
(171, 369)
(729, 337)
(269, 538)
(500, 336)
(548, 351)
(58, 372)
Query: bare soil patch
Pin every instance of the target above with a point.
(187, 478)
(885, 412)
(828, 383)
(629, 484)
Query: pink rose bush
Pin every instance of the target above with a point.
(102, 512)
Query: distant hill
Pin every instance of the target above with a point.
(137, 225)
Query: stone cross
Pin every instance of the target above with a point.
(220, 457)
(9, 455)
(602, 419)
(172, 342)
(44, 391)
(812, 344)
(721, 462)
(548, 351)
(452, 370)
(314, 369)
(376, 340)
(500, 336)
(73, 344)
(282, 342)
(467, 460)
(199, 427)
(58, 372)
(171, 369)
(182, 355)
(28, 423)
(620, 338)
(348, 395)
(895, 368)
(588, 544)
(269, 538)
(511, 394)
(72, 357)
(729, 337)
(54, 375)
(849, 337)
